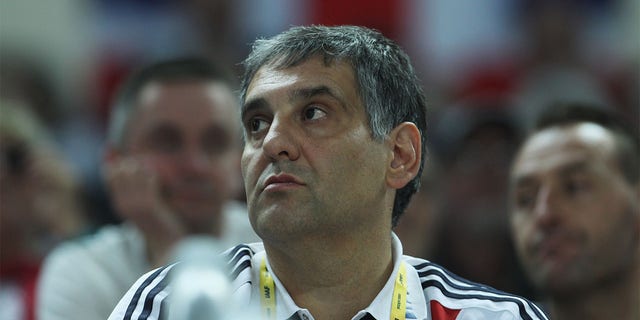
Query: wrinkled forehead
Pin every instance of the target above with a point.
(284, 62)
(311, 72)
(289, 61)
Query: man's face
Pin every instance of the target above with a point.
(310, 164)
(187, 133)
(574, 217)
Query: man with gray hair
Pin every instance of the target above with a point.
(334, 129)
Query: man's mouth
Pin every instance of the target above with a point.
(281, 182)
(556, 247)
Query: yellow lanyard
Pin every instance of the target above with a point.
(399, 298)
(268, 297)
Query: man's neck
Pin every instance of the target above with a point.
(616, 300)
(334, 278)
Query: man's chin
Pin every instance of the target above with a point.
(558, 281)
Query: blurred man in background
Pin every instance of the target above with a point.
(575, 213)
(172, 169)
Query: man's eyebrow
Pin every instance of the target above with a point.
(520, 181)
(321, 90)
(564, 170)
(253, 104)
(573, 167)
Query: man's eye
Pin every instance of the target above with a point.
(256, 125)
(216, 140)
(524, 198)
(574, 187)
(313, 113)
(165, 140)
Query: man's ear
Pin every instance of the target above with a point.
(406, 149)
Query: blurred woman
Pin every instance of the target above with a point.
(39, 206)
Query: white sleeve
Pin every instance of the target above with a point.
(64, 290)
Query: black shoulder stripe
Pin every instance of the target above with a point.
(523, 313)
(442, 273)
(447, 278)
(452, 275)
(244, 265)
(232, 255)
(500, 296)
(447, 275)
(149, 299)
(136, 297)
(423, 265)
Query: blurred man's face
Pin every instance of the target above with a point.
(187, 133)
(574, 217)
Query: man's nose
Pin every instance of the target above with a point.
(546, 206)
(280, 141)
(195, 160)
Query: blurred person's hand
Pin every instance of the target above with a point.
(135, 194)
(56, 202)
